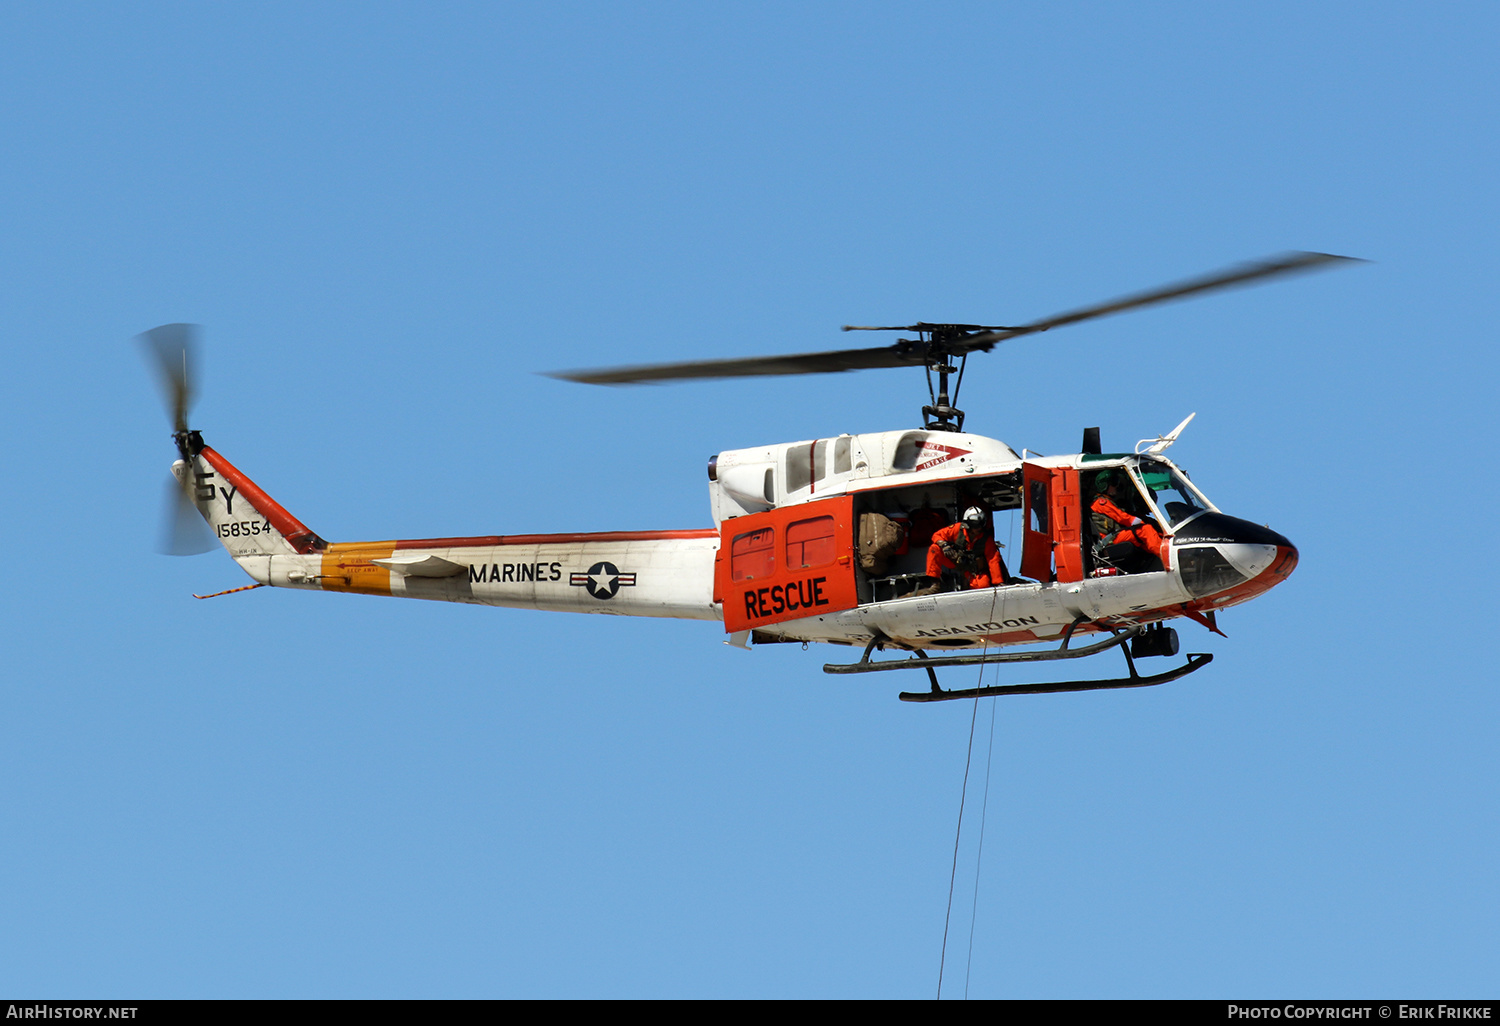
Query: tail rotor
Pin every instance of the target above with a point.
(171, 350)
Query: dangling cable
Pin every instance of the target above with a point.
(985, 805)
(958, 833)
(984, 809)
(953, 876)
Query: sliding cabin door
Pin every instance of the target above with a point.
(786, 564)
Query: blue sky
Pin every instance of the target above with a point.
(392, 217)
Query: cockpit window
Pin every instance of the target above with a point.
(1170, 491)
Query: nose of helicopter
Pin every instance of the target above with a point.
(1231, 559)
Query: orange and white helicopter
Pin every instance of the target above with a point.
(825, 539)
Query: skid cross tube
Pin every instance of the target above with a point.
(925, 662)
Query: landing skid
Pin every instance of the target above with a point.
(1135, 680)
(922, 661)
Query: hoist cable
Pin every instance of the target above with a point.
(984, 809)
(953, 876)
(958, 831)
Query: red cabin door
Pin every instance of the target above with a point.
(1052, 538)
(786, 564)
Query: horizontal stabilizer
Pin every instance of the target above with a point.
(421, 566)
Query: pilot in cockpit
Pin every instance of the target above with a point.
(1122, 535)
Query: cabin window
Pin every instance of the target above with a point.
(1038, 510)
(752, 556)
(841, 461)
(809, 543)
(806, 464)
(798, 467)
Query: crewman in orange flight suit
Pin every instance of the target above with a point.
(968, 548)
(1116, 527)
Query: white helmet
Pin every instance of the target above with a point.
(974, 516)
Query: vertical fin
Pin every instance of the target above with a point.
(246, 520)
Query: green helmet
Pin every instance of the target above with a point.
(1103, 479)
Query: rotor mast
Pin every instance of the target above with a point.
(942, 415)
(938, 341)
(942, 349)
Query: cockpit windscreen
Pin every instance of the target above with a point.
(1174, 496)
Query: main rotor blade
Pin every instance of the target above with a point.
(1244, 274)
(173, 350)
(909, 354)
(803, 363)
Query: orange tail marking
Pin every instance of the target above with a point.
(347, 567)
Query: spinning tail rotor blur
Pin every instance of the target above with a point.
(171, 350)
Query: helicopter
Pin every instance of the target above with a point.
(826, 540)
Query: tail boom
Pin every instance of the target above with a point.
(629, 573)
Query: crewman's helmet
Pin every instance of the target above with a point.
(974, 517)
(1104, 479)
